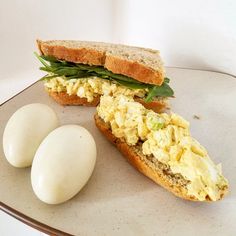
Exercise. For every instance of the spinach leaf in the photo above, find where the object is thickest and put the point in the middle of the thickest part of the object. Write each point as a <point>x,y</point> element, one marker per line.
<point>70,70</point>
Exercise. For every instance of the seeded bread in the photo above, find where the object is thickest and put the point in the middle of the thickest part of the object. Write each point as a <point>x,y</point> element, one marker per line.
<point>150,166</point>
<point>142,64</point>
<point>65,99</point>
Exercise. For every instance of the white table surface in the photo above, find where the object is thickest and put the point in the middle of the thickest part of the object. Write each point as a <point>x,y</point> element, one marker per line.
<point>10,226</point>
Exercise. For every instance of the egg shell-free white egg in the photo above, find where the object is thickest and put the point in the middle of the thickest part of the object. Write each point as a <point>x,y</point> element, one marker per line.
<point>63,164</point>
<point>24,132</point>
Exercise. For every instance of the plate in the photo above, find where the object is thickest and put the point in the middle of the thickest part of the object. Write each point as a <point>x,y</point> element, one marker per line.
<point>118,199</point>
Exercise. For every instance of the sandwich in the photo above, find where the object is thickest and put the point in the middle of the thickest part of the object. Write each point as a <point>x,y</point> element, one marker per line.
<point>80,72</point>
<point>160,146</point>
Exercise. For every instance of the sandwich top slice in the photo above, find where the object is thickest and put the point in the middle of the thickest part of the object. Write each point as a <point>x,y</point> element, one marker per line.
<point>161,147</point>
<point>79,72</point>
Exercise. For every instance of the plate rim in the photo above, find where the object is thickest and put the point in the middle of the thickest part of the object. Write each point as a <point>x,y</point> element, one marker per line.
<point>31,222</point>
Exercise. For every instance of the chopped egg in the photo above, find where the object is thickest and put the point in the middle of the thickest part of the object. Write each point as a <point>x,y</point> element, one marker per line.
<point>167,138</point>
<point>91,87</point>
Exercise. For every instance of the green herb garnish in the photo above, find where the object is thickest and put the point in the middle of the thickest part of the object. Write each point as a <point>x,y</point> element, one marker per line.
<point>71,70</point>
<point>156,122</point>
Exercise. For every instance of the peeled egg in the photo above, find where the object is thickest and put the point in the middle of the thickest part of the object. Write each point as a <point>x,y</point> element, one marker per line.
<point>24,132</point>
<point>63,164</point>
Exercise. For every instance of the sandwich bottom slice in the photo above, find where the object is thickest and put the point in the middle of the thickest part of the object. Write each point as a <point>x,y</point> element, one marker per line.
<point>160,147</point>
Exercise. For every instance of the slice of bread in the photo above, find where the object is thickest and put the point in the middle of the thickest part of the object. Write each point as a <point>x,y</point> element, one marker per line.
<point>142,64</point>
<point>65,99</point>
<point>149,166</point>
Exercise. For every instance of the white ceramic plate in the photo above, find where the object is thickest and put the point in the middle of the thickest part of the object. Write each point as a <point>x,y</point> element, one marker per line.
<point>118,200</point>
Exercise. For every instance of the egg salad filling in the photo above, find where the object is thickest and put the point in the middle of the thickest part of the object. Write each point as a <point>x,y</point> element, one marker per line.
<point>167,138</point>
<point>68,77</point>
<point>91,87</point>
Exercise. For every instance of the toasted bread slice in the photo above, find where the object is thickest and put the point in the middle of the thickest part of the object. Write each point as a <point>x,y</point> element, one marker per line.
<point>150,167</point>
<point>65,99</point>
<point>142,64</point>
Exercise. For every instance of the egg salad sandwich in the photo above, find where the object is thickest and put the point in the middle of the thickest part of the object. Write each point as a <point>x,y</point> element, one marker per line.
<point>79,72</point>
<point>160,146</point>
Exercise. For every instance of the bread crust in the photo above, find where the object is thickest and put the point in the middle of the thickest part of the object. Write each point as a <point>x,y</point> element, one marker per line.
<point>65,99</point>
<point>155,105</point>
<point>77,55</point>
<point>98,57</point>
<point>133,69</point>
<point>135,160</point>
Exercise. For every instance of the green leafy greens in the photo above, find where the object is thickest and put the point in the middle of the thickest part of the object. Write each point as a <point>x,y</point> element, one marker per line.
<point>71,70</point>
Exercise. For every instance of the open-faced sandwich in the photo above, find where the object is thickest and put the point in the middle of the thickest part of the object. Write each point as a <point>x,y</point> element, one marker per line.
<point>161,147</point>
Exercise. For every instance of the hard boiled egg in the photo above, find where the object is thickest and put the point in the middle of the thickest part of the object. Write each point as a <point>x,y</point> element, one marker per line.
<point>63,164</point>
<point>24,132</point>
